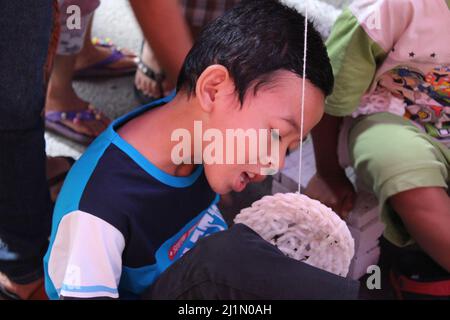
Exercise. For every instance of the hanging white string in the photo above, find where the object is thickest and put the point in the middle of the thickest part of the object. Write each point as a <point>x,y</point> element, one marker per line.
<point>302,228</point>
<point>302,111</point>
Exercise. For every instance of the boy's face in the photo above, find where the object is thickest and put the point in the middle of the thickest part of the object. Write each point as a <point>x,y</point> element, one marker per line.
<point>276,105</point>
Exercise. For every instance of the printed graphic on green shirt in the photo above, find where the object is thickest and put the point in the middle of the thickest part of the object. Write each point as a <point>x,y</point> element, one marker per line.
<point>425,96</point>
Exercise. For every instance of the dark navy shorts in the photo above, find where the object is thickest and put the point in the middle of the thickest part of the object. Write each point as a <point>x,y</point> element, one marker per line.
<point>239,264</point>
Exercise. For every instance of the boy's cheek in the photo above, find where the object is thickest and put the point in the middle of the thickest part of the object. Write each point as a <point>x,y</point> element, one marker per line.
<point>217,178</point>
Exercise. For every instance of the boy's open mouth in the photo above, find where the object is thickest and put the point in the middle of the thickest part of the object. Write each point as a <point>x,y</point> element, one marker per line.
<point>244,178</point>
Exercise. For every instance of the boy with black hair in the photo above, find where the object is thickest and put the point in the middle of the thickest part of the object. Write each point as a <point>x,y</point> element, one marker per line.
<point>128,210</point>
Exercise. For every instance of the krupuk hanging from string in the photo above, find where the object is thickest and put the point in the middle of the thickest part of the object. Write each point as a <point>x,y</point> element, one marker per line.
<point>302,228</point>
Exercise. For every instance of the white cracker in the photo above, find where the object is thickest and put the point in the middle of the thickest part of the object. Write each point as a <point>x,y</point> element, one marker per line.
<point>303,229</point>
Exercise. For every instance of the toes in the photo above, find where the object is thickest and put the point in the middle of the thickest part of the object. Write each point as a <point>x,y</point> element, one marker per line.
<point>138,80</point>
<point>142,82</point>
<point>91,128</point>
<point>79,127</point>
<point>153,89</point>
<point>149,87</point>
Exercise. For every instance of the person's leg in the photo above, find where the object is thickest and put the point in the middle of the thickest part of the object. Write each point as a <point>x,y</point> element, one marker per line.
<point>197,15</point>
<point>146,85</point>
<point>62,102</point>
<point>61,97</point>
<point>408,171</point>
<point>239,264</point>
<point>25,208</point>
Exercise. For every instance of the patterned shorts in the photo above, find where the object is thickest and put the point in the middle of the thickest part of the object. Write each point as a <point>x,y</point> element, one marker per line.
<point>200,12</point>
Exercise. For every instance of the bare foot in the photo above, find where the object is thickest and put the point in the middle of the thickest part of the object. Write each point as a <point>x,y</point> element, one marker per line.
<point>147,85</point>
<point>64,100</point>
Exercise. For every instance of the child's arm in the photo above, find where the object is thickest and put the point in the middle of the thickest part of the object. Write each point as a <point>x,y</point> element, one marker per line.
<point>330,185</point>
<point>354,56</point>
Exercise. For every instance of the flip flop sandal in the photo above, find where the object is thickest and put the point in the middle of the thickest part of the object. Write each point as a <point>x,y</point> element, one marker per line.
<point>103,67</point>
<point>53,122</point>
<point>155,76</point>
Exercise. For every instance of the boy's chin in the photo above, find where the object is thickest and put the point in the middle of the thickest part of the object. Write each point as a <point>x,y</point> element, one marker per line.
<point>221,189</point>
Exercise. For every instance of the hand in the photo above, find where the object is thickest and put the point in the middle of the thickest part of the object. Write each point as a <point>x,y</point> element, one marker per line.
<point>335,191</point>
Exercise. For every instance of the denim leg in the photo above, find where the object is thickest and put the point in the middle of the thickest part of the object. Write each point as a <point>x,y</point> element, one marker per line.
<point>25,208</point>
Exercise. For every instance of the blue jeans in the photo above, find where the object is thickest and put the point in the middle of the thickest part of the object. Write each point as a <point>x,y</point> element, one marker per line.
<point>25,206</point>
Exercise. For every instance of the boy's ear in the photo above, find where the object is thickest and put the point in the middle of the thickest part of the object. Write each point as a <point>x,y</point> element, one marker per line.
<point>210,84</point>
